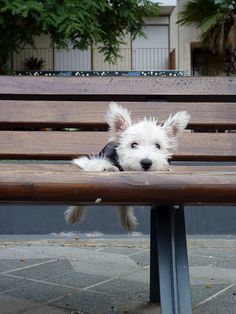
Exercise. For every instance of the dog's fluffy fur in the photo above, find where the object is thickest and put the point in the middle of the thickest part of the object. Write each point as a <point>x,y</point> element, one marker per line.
<point>142,146</point>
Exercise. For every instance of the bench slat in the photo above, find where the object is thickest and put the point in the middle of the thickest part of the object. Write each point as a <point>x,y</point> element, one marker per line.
<point>119,88</point>
<point>68,145</point>
<point>90,115</point>
<point>65,184</point>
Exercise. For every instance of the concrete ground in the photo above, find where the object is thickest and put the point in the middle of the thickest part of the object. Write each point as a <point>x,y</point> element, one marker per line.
<point>106,275</point>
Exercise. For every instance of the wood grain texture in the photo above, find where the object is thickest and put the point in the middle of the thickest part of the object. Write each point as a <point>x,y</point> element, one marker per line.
<point>68,145</point>
<point>119,88</point>
<point>66,184</point>
<point>50,145</point>
<point>63,102</point>
<point>90,115</point>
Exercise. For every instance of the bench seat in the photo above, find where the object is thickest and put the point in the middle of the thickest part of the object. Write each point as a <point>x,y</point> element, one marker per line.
<point>68,145</point>
<point>45,122</point>
<point>63,183</point>
<point>119,88</point>
<point>89,115</point>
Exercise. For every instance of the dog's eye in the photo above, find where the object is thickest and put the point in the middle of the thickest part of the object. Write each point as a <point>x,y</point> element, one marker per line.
<point>134,145</point>
<point>158,146</point>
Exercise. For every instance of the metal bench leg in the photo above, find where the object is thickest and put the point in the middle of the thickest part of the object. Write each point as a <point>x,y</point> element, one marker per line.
<point>154,268</point>
<point>171,253</point>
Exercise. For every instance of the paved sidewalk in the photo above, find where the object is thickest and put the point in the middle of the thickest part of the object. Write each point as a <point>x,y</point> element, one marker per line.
<point>107,275</point>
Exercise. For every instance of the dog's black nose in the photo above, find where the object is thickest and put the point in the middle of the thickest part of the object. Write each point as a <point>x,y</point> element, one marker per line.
<point>146,164</point>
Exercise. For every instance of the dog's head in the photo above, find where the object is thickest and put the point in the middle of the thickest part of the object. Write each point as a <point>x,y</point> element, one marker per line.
<point>144,145</point>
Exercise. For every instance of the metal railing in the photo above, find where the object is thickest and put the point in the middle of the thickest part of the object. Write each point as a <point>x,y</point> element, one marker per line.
<point>137,59</point>
<point>47,54</point>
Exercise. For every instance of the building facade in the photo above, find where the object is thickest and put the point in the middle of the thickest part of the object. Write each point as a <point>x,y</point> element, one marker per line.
<point>167,46</point>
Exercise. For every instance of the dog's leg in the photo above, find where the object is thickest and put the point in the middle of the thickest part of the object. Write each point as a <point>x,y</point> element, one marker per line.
<point>74,214</point>
<point>127,218</point>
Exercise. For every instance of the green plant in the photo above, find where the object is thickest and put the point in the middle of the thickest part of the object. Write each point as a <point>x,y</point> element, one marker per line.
<point>33,63</point>
<point>82,23</point>
<point>216,21</point>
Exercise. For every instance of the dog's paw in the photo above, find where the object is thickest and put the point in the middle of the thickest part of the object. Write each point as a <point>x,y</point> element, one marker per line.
<point>82,162</point>
<point>110,168</point>
<point>94,164</point>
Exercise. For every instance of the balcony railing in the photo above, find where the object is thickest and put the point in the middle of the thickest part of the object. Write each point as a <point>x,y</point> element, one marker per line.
<point>136,59</point>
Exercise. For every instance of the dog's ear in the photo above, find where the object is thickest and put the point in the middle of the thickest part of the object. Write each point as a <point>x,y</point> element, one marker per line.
<point>118,119</point>
<point>175,125</point>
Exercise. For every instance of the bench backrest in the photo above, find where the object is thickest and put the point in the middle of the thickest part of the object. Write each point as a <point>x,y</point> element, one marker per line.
<point>59,118</point>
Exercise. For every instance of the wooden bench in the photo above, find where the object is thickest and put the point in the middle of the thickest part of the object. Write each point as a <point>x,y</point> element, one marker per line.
<point>35,114</point>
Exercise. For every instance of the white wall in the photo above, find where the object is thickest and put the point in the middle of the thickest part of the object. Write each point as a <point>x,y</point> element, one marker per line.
<point>181,38</point>
<point>142,54</point>
<point>152,52</point>
<point>152,57</point>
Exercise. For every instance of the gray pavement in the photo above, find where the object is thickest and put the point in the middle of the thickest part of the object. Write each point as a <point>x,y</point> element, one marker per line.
<point>106,275</point>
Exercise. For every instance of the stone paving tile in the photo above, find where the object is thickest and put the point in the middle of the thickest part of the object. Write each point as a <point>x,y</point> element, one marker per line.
<point>199,291</point>
<point>121,250</point>
<point>141,259</point>
<point>10,264</point>
<point>140,256</point>
<point>124,289</point>
<point>229,264</point>
<point>77,279</point>
<point>224,303</point>
<point>45,270</point>
<point>142,275</point>
<point>45,250</point>
<point>38,292</point>
<point>211,271</point>
<point>214,275</point>
<point>100,263</point>
<point>202,292</point>
<point>194,260</point>
<point>90,302</point>
<point>45,309</point>
<point>224,253</point>
<point>12,305</point>
<point>141,308</point>
<point>8,283</point>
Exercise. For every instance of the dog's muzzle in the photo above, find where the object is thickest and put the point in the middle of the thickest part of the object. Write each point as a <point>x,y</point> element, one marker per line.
<point>146,164</point>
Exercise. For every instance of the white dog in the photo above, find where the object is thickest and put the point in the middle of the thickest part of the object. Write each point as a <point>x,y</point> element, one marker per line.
<point>141,146</point>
